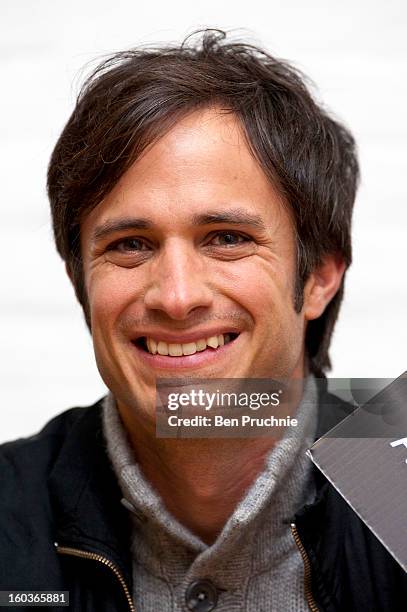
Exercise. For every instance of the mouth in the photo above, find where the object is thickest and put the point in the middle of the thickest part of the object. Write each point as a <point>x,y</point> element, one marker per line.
<point>155,346</point>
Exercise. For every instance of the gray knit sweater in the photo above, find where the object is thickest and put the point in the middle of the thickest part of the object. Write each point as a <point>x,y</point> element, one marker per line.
<point>254,565</point>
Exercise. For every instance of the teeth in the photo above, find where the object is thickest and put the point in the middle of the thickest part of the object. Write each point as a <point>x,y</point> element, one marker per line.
<point>189,348</point>
<point>152,346</point>
<point>175,350</point>
<point>201,345</point>
<point>162,348</point>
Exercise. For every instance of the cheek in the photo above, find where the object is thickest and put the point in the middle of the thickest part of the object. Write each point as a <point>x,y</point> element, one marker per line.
<point>264,286</point>
<point>110,292</point>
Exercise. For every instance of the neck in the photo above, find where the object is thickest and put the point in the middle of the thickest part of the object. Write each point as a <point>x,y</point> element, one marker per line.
<point>201,481</point>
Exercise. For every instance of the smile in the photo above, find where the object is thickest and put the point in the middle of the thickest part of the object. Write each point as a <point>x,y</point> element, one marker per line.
<point>175,349</point>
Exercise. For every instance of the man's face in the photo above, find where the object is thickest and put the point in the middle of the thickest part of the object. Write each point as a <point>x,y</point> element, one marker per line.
<point>193,247</point>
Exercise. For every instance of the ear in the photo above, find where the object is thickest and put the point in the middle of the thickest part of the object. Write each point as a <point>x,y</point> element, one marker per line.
<point>321,286</point>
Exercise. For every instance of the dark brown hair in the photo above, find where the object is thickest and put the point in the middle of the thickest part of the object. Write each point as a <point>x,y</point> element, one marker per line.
<point>134,97</point>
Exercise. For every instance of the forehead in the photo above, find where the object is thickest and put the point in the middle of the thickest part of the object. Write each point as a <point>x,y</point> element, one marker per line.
<point>202,164</point>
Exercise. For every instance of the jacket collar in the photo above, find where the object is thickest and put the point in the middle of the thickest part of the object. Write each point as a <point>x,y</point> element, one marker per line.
<point>86,496</point>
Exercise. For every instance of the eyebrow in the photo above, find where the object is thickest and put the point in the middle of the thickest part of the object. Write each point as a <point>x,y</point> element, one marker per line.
<point>120,225</point>
<point>235,216</point>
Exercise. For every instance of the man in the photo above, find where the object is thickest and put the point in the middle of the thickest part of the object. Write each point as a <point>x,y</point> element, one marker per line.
<point>202,203</point>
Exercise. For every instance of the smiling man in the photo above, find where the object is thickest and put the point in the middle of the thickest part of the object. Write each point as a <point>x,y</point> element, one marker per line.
<point>202,202</point>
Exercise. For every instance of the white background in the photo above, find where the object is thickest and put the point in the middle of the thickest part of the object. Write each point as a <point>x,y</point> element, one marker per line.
<point>356,53</point>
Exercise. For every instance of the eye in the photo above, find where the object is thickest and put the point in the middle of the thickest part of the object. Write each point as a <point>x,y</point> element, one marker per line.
<point>128,252</point>
<point>129,245</point>
<point>229,239</point>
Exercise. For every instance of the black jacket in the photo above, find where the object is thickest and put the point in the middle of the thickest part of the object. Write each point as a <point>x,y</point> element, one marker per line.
<point>63,528</point>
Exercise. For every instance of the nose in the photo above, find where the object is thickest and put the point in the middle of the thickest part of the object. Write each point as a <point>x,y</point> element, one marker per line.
<point>178,284</point>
